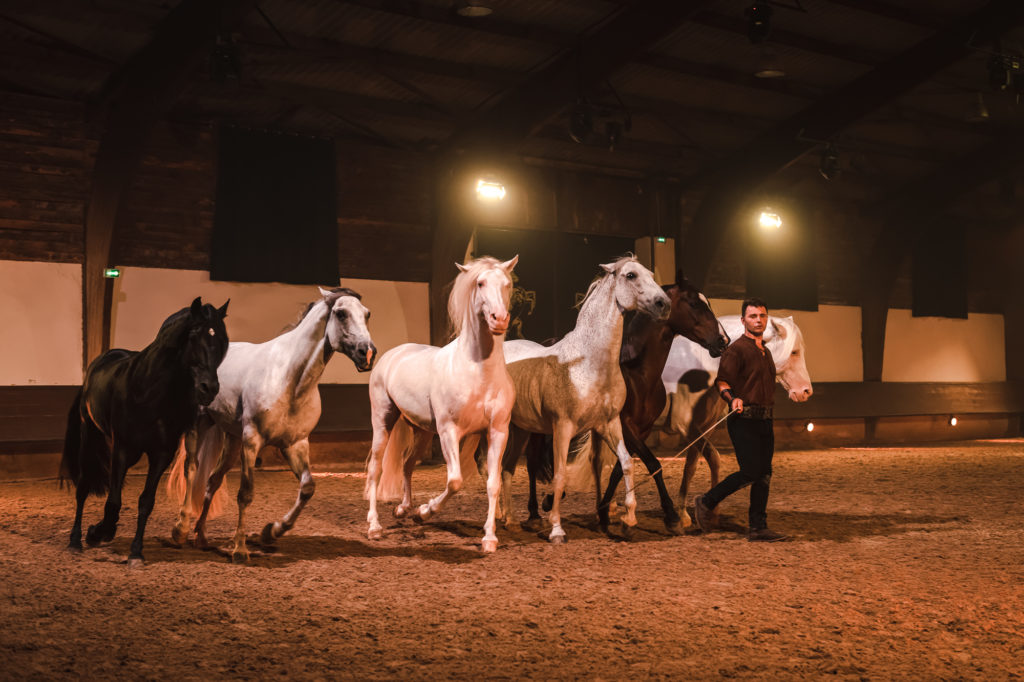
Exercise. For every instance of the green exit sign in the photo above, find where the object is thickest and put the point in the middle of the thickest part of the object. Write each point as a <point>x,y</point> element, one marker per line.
<point>661,240</point>
<point>111,273</point>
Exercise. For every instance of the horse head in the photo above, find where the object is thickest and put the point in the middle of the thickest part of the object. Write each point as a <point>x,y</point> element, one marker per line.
<point>691,316</point>
<point>635,288</point>
<point>786,343</point>
<point>482,290</point>
<point>346,330</point>
<point>205,347</point>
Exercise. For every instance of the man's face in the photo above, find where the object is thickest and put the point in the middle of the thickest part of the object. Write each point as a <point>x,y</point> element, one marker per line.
<point>755,320</point>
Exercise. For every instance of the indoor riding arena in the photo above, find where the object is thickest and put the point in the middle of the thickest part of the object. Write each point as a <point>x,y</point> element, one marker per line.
<point>575,339</point>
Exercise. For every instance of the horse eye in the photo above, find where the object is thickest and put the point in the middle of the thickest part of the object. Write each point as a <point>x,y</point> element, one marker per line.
<point>480,284</point>
<point>342,314</point>
<point>367,314</point>
<point>630,275</point>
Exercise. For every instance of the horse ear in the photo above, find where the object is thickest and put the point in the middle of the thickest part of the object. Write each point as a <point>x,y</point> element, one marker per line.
<point>197,307</point>
<point>461,267</point>
<point>223,310</point>
<point>509,264</point>
<point>608,267</point>
<point>324,292</point>
<point>779,329</point>
<point>680,277</point>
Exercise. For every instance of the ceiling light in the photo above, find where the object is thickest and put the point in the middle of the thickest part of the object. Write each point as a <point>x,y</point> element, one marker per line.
<point>952,420</point>
<point>770,220</point>
<point>472,9</point>
<point>759,25</point>
<point>489,189</point>
<point>809,426</point>
<point>768,64</point>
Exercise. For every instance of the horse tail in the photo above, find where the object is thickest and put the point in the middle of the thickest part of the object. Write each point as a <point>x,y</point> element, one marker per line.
<point>209,455</point>
<point>542,454</point>
<point>389,486</point>
<point>176,482</point>
<point>85,460</point>
<point>579,474</point>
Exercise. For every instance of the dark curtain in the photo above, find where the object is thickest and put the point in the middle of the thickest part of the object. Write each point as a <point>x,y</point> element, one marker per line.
<point>939,270</point>
<point>276,211</point>
<point>554,271</point>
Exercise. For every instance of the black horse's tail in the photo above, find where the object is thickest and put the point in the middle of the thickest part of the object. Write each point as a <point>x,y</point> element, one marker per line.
<point>85,461</point>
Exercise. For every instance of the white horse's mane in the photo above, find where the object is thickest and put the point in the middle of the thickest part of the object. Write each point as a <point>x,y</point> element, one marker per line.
<point>616,264</point>
<point>460,300</point>
<point>335,294</point>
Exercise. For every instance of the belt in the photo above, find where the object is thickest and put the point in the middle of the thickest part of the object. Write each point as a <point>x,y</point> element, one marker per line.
<point>755,412</point>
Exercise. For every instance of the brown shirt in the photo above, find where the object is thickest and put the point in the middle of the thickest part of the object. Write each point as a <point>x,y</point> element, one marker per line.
<point>749,371</point>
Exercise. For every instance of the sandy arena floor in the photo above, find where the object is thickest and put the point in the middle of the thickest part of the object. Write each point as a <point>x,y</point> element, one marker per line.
<point>907,563</point>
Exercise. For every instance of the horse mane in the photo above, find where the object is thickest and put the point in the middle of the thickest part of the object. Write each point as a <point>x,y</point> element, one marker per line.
<point>334,295</point>
<point>600,278</point>
<point>461,296</point>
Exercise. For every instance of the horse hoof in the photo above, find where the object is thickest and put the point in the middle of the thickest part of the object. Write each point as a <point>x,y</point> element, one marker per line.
<point>513,526</point>
<point>547,503</point>
<point>533,523</point>
<point>626,530</point>
<point>179,537</point>
<point>75,548</point>
<point>375,534</point>
<point>267,537</point>
<point>238,557</point>
<point>558,539</point>
<point>401,511</point>
<point>674,526</point>
<point>91,537</point>
<point>687,521</point>
<point>422,514</point>
<point>135,562</point>
<point>489,546</point>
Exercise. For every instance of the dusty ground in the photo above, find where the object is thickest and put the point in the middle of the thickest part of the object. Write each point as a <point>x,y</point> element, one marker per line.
<point>907,563</point>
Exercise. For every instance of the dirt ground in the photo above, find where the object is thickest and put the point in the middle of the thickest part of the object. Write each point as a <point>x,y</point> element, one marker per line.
<point>907,563</point>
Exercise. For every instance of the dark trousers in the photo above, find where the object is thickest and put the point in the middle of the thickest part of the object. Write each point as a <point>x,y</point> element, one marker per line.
<point>754,441</point>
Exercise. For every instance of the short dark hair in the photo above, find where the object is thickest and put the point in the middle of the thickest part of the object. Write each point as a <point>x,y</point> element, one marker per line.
<point>752,301</point>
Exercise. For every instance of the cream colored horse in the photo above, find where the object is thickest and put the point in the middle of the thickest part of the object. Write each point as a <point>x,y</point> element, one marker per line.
<point>459,392</point>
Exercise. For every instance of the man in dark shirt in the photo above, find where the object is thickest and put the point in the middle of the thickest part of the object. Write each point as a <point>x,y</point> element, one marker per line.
<point>746,381</point>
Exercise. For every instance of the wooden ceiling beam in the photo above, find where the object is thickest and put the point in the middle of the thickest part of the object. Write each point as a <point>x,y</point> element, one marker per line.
<point>730,182</point>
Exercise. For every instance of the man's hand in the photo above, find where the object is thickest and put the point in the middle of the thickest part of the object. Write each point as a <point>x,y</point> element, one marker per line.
<point>737,404</point>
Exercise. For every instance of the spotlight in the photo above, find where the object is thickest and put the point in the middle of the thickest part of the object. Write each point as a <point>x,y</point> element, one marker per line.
<point>829,167</point>
<point>768,64</point>
<point>489,189</point>
<point>809,426</point>
<point>758,22</point>
<point>770,220</point>
<point>952,420</point>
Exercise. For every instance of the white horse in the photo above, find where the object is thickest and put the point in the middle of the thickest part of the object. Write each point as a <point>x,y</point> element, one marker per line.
<point>693,408</point>
<point>576,385</point>
<point>268,396</point>
<point>461,391</point>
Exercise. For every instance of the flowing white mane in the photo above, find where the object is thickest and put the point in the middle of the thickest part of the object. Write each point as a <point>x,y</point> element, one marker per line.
<point>460,300</point>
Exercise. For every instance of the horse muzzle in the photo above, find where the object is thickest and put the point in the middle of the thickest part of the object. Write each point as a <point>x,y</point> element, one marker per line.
<point>364,357</point>
<point>206,391</point>
<point>498,323</point>
<point>659,307</point>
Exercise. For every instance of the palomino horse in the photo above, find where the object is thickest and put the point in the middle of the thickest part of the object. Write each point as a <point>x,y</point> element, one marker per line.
<point>576,385</point>
<point>139,401</point>
<point>693,408</point>
<point>645,347</point>
<point>460,392</point>
<point>268,396</point>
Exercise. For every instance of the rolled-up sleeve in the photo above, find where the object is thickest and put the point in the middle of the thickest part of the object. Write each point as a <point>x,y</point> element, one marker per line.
<point>729,368</point>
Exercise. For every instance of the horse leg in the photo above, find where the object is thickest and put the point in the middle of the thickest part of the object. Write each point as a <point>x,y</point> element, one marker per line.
<point>497,436</point>
<point>228,457</point>
<point>450,447</point>
<point>179,534</point>
<point>609,494</point>
<point>158,463</point>
<point>516,446</point>
<point>251,444</point>
<point>297,455</point>
<point>383,422</point>
<point>612,436</point>
<point>636,445</point>
<point>105,530</point>
<point>689,469</point>
<point>81,493</point>
<point>420,446</point>
<point>562,434</point>
<point>534,452</point>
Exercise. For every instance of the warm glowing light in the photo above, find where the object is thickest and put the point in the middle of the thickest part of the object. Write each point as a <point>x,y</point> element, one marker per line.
<point>810,427</point>
<point>490,190</point>
<point>952,421</point>
<point>770,220</point>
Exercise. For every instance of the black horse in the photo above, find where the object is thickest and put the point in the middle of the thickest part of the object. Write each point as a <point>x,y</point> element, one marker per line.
<point>140,401</point>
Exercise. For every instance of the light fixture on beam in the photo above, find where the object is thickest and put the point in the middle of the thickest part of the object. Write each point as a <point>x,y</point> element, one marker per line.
<point>768,64</point>
<point>769,219</point>
<point>953,420</point>
<point>489,189</point>
<point>809,426</point>
<point>472,9</point>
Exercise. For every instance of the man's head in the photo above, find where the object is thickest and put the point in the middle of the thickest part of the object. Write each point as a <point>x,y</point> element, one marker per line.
<point>754,316</point>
